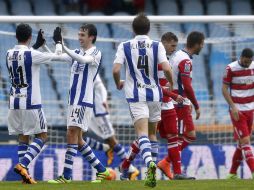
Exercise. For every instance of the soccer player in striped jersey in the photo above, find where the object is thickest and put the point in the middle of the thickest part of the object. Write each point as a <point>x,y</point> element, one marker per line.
<point>25,115</point>
<point>141,57</point>
<point>101,126</point>
<point>167,127</point>
<point>238,91</point>
<point>85,63</point>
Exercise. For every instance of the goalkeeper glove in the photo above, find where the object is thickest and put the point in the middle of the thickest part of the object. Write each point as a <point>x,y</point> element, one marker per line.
<point>40,40</point>
<point>57,36</point>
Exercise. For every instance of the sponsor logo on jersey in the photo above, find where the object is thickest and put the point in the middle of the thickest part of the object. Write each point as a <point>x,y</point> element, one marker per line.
<point>142,85</point>
<point>187,67</point>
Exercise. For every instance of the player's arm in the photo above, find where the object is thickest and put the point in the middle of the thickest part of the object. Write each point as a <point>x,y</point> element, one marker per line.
<point>185,69</point>
<point>163,61</point>
<point>167,92</point>
<point>119,60</point>
<point>86,59</point>
<point>58,39</point>
<point>225,87</point>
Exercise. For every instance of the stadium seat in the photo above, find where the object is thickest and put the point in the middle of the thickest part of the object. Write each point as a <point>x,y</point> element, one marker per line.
<point>242,7</point>
<point>45,7</point>
<point>21,7</point>
<point>3,8</point>
<point>149,8</point>
<point>167,7</point>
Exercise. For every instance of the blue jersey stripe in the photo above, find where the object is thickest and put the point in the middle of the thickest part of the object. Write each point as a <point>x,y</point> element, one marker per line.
<point>83,85</point>
<point>16,77</point>
<point>127,52</point>
<point>142,52</point>
<point>73,88</point>
<point>155,70</point>
<point>28,69</point>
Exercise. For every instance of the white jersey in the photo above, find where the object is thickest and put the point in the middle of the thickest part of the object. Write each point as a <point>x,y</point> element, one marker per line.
<point>82,77</point>
<point>24,69</point>
<point>167,103</point>
<point>100,97</point>
<point>141,56</point>
<point>181,63</point>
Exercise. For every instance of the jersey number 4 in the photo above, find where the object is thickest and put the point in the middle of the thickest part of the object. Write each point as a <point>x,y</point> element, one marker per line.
<point>21,82</point>
<point>143,64</point>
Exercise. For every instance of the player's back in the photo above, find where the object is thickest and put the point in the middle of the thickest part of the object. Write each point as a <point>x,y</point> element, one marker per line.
<point>24,75</point>
<point>142,56</point>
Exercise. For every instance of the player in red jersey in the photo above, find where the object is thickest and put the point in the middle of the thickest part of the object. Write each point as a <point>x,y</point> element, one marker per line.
<point>238,91</point>
<point>181,64</point>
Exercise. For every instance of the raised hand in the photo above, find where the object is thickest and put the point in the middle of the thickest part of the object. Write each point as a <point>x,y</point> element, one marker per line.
<point>40,40</point>
<point>57,36</point>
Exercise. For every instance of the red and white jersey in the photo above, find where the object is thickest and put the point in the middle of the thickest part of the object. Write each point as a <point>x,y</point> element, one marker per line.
<point>23,65</point>
<point>181,63</point>
<point>141,56</point>
<point>241,84</point>
<point>167,102</point>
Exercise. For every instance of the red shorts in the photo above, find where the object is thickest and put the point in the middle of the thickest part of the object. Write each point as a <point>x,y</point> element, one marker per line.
<point>243,127</point>
<point>185,122</point>
<point>168,123</point>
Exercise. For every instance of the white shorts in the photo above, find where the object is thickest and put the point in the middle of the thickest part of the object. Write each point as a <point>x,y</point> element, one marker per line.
<point>79,116</point>
<point>102,126</point>
<point>141,110</point>
<point>26,122</point>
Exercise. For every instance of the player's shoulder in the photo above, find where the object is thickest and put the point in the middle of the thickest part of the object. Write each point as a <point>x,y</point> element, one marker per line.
<point>181,56</point>
<point>94,51</point>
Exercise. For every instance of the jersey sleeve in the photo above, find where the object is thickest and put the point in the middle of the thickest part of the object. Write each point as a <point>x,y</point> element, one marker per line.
<point>161,54</point>
<point>97,59</point>
<point>185,68</point>
<point>227,77</point>
<point>120,57</point>
<point>42,58</point>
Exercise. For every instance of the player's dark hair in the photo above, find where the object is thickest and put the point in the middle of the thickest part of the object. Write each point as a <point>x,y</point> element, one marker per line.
<point>92,31</point>
<point>141,24</point>
<point>168,36</point>
<point>247,52</point>
<point>23,32</point>
<point>194,38</point>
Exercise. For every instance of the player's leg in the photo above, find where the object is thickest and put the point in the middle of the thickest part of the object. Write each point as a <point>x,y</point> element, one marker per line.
<point>126,165</point>
<point>242,132</point>
<point>34,123</point>
<point>236,161</point>
<point>185,126</point>
<point>74,127</point>
<point>88,154</point>
<point>152,129</point>
<point>96,145</point>
<point>168,130</point>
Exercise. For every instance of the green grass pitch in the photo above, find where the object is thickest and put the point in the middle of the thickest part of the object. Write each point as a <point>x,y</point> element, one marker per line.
<point>136,185</point>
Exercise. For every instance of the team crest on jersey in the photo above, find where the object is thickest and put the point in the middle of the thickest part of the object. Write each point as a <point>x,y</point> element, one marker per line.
<point>187,67</point>
<point>76,67</point>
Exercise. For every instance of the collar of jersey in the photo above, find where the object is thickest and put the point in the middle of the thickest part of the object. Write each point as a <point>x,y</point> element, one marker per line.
<point>139,37</point>
<point>187,53</point>
<point>21,47</point>
<point>88,50</point>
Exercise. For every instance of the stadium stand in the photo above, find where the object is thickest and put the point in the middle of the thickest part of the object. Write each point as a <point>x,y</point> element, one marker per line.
<point>211,59</point>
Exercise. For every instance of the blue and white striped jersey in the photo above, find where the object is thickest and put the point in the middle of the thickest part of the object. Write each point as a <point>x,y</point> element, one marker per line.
<point>100,97</point>
<point>24,70</point>
<point>141,56</point>
<point>82,77</point>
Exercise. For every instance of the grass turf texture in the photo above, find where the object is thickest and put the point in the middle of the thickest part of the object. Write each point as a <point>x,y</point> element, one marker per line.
<point>136,185</point>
